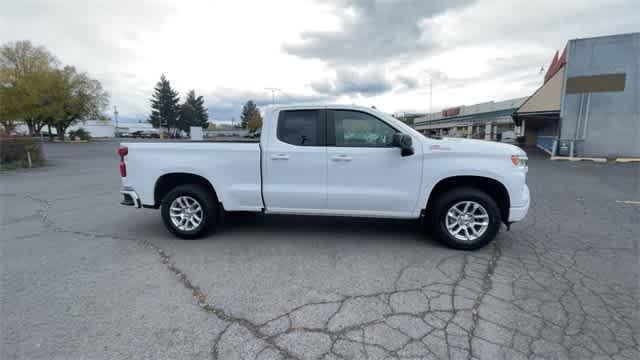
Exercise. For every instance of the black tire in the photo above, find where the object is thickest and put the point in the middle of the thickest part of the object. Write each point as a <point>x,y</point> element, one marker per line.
<point>206,199</point>
<point>444,202</point>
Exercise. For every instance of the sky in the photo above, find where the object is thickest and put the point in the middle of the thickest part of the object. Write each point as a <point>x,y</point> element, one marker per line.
<point>397,55</point>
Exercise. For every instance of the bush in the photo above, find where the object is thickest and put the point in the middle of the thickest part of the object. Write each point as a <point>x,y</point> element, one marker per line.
<point>13,152</point>
<point>80,134</point>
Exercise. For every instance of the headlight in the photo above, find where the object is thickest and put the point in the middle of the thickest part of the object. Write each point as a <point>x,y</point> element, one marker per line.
<point>519,160</point>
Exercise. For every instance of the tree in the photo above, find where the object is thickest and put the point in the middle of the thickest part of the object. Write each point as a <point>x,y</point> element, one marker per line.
<point>36,91</point>
<point>40,99</point>
<point>248,112</point>
<point>26,75</point>
<point>77,97</point>
<point>164,106</point>
<point>255,122</point>
<point>21,57</point>
<point>193,112</point>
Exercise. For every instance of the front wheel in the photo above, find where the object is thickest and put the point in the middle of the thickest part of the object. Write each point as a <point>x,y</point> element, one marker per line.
<point>189,211</point>
<point>465,218</point>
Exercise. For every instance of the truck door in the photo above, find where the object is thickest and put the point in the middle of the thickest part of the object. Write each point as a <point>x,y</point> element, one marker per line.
<point>295,163</point>
<point>366,174</point>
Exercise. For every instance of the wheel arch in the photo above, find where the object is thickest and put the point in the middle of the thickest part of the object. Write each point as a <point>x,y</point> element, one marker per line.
<point>494,188</point>
<point>168,181</point>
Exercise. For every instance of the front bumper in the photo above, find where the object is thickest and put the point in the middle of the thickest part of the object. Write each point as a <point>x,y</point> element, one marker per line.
<point>517,213</point>
<point>131,198</point>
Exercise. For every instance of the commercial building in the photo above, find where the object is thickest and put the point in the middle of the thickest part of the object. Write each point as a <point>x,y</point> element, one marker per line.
<point>408,117</point>
<point>97,128</point>
<point>489,121</point>
<point>589,104</point>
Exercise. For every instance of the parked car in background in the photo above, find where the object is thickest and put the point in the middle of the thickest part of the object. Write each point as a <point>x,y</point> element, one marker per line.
<point>508,137</point>
<point>333,160</point>
<point>140,134</point>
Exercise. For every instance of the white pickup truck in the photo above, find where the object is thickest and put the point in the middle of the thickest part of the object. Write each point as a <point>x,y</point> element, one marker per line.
<point>337,160</point>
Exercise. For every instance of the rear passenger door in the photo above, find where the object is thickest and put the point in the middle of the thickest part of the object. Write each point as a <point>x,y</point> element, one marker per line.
<point>295,174</point>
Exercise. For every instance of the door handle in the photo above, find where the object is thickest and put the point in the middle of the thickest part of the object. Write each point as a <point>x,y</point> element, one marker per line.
<point>341,158</point>
<point>280,157</point>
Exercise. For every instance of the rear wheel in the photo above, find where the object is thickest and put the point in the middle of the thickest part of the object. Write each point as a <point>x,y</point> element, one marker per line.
<point>189,211</point>
<point>465,218</point>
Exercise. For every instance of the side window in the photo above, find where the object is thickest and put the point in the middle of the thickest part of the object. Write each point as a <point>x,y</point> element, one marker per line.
<point>299,127</point>
<point>358,129</point>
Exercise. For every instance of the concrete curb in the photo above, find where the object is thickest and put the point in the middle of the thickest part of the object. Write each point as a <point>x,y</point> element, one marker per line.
<point>568,158</point>
<point>627,160</point>
<point>70,141</point>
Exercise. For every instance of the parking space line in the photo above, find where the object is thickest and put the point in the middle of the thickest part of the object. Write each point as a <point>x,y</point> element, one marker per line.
<point>628,202</point>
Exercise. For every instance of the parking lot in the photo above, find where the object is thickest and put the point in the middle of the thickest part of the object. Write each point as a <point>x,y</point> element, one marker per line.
<point>83,277</point>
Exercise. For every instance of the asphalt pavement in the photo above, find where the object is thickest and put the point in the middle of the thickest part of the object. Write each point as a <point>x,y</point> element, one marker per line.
<point>85,278</point>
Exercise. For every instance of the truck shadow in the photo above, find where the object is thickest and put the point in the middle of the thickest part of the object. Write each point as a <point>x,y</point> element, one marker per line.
<point>322,226</point>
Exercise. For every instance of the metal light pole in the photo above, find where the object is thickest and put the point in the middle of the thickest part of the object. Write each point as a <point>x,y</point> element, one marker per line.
<point>115,115</point>
<point>430,94</point>
<point>426,72</point>
<point>273,93</point>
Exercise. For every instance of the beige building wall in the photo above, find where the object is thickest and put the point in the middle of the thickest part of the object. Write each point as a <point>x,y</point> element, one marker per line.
<point>547,98</point>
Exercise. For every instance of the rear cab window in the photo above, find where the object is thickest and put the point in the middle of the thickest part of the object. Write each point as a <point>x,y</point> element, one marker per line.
<point>301,127</point>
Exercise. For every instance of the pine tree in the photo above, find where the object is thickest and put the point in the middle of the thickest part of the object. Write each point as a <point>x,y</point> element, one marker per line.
<point>193,112</point>
<point>164,106</point>
<point>248,112</point>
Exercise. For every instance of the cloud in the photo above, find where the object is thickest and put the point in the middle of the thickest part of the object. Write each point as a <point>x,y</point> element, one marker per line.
<point>499,69</point>
<point>373,31</point>
<point>407,82</point>
<point>375,52</point>
<point>105,39</point>
<point>225,104</point>
<point>501,24</point>
<point>84,31</point>
<point>349,82</point>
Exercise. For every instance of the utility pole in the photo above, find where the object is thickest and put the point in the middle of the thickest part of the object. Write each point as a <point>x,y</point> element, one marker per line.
<point>273,93</point>
<point>115,115</point>
<point>430,94</point>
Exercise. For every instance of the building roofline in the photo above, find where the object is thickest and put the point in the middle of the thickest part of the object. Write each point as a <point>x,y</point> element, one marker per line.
<point>535,92</point>
<point>523,98</point>
<point>502,112</point>
<point>606,36</point>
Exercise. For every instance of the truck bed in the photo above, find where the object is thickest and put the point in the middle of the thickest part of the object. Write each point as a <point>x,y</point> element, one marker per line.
<point>232,167</point>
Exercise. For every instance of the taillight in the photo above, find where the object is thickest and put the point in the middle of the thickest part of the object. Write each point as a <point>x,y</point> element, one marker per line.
<point>123,151</point>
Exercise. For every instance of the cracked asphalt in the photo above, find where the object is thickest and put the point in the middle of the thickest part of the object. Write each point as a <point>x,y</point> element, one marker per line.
<point>85,278</point>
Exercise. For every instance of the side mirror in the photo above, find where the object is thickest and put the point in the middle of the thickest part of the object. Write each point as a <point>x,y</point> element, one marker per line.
<point>404,142</point>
